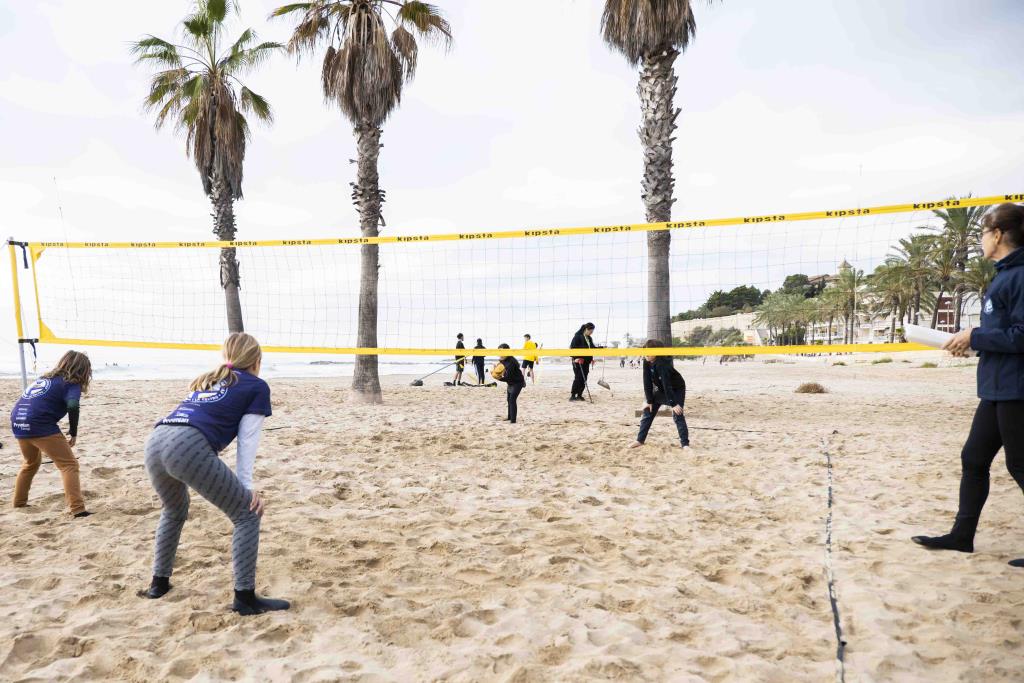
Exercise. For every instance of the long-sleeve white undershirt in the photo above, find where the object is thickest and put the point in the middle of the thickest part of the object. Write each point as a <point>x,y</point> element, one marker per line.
<point>248,441</point>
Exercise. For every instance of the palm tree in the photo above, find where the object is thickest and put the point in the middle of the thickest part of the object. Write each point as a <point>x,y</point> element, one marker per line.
<point>198,88</point>
<point>849,285</point>
<point>363,72</point>
<point>915,253</point>
<point>943,268</point>
<point>652,35</point>
<point>977,277</point>
<point>961,228</point>
<point>893,286</point>
<point>832,304</point>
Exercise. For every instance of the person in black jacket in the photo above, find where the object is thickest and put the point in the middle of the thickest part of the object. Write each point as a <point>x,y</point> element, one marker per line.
<point>513,376</point>
<point>999,341</point>
<point>663,385</point>
<point>581,364</point>
<point>478,362</point>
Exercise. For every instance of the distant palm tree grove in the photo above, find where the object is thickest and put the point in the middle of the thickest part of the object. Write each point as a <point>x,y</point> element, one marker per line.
<point>928,279</point>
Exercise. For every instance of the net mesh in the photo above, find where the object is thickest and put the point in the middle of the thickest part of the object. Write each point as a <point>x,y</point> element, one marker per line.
<point>306,296</point>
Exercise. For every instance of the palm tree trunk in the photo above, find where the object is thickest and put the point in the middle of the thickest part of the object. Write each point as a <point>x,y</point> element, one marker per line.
<point>366,196</point>
<point>224,229</point>
<point>657,89</point>
<point>958,305</point>
<point>935,313</point>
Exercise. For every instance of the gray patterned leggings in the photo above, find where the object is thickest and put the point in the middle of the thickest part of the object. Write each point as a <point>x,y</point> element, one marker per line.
<point>178,457</point>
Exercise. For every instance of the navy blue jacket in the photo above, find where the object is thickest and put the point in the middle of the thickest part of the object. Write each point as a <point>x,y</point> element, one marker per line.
<point>999,340</point>
<point>662,382</point>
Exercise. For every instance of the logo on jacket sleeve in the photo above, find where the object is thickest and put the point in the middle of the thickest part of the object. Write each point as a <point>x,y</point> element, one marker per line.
<point>988,306</point>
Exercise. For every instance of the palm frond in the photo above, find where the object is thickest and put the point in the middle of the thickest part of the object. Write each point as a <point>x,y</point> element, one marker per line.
<point>248,35</point>
<point>155,49</point>
<point>293,7</point>
<point>245,60</point>
<point>406,49</point>
<point>216,10</point>
<point>258,105</point>
<point>427,20</point>
<point>640,28</point>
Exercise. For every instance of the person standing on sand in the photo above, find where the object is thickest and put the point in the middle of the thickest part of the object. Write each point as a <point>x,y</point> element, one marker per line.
<point>34,423</point>
<point>663,385</point>
<point>507,370</point>
<point>528,360</point>
<point>183,452</point>
<point>460,361</point>
<point>581,364</point>
<point>999,341</point>
<point>478,362</point>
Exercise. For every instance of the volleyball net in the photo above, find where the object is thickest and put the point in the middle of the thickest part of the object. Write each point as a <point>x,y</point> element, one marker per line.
<point>302,296</point>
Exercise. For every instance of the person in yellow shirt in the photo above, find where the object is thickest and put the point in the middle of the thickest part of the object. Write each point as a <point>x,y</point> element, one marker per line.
<point>529,360</point>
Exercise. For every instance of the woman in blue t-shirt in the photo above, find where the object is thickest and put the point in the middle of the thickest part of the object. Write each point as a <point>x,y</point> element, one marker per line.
<point>182,452</point>
<point>34,423</point>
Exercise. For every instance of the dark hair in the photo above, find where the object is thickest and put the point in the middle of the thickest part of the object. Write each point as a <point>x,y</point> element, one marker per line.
<point>586,326</point>
<point>458,336</point>
<point>1008,219</point>
<point>480,342</point>
<point>503,346</point>
<point>653,344</point>
<point>527,336</point>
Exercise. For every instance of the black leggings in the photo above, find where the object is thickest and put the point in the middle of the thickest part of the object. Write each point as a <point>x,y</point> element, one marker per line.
<point>997,424</point>
<point>579,377</point>
<point>479,364</point>
<point>513,394</point>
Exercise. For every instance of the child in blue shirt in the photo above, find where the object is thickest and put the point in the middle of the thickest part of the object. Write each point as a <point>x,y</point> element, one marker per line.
<point>34,423</point>
<point>183,452</point>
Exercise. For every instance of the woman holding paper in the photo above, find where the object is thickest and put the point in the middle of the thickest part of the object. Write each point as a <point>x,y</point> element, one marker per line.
<point>999,341</point>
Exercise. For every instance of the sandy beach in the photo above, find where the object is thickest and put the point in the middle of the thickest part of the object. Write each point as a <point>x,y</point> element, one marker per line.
<point>425,540</point>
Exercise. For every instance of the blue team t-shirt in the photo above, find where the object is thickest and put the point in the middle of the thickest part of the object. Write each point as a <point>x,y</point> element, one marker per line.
<point>42,406</point>
<point>217,412</point>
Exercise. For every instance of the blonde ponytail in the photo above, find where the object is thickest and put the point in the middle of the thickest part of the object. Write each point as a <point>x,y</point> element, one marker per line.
<point>241,352</point>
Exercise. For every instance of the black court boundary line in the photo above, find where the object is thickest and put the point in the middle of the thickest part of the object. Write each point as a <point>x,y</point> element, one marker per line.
<point>830,574</point>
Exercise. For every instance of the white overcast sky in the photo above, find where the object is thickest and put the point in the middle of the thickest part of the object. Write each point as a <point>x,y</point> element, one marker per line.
<point>528,121</point>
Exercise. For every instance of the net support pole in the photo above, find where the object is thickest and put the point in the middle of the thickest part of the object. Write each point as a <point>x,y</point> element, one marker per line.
<point>12,247</point>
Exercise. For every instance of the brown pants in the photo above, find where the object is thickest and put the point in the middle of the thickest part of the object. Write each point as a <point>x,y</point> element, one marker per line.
<point>57,448</point>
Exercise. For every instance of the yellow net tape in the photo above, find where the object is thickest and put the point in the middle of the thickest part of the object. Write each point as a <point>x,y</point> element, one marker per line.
<point>551,232</point>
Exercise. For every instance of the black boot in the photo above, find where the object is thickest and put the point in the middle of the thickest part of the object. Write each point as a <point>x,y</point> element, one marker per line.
<point>159,587</point>
<point>960,538</point>
<point>1017,563</point>
<point>247,603</point>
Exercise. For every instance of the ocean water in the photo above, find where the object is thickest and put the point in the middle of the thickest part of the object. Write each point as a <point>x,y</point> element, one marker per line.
<point>135,364</point>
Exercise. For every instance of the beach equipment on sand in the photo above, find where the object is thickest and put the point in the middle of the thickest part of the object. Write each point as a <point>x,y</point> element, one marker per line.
<point>419,382</point>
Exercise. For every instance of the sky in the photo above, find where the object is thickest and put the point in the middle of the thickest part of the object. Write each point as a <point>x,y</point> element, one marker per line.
<point>529,120</point>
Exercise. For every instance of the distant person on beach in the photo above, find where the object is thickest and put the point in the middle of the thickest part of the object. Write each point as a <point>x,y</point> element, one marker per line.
<point>183,452</point>
<point>528,360</point>
<point>460,361</point>
<point>478,362</point>
<point>507,370</point>
<point>622,361</point>
<point>581,364</point>
<point>663,385</point>
<point>999,419</point>
<point>34,422</point>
